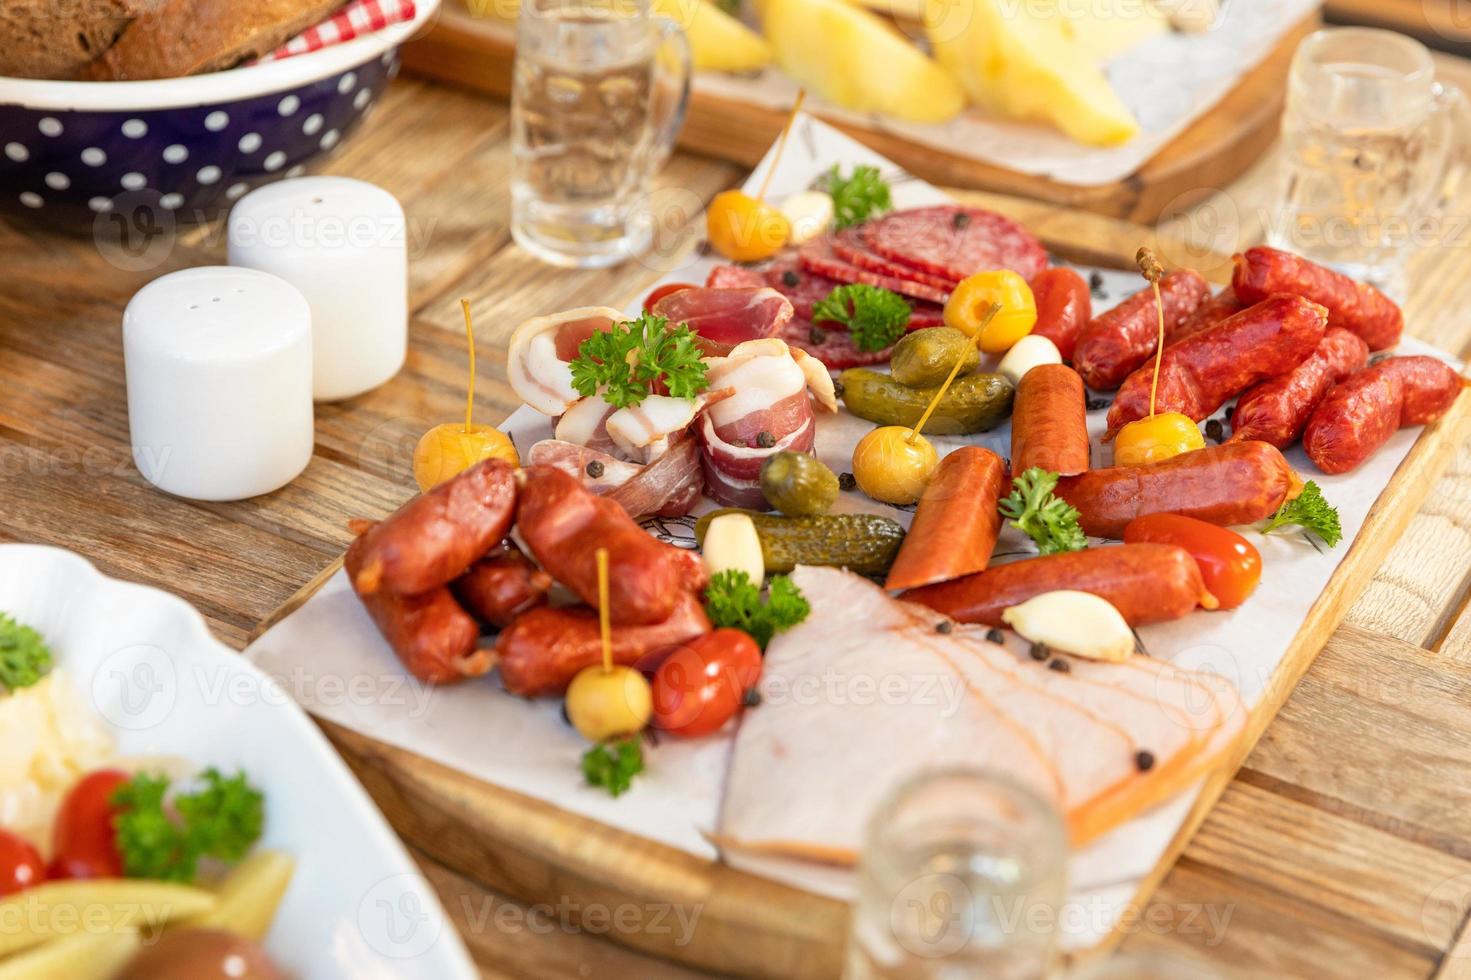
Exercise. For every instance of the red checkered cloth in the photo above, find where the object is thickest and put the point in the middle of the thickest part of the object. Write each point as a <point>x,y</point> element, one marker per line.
<point>355,20</point>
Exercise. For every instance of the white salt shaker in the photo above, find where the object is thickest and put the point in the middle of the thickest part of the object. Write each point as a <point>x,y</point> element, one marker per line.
<point>342,243</point>
<point>219,373</point>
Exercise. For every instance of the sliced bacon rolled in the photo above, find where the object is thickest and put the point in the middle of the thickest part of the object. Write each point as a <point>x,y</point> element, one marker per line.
<point>538,359</point>
<point>668,487</point>
<point>723,318</point>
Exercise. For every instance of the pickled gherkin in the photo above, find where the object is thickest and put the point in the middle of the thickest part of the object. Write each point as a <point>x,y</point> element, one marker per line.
<point>798,484</point>
<point>862,543</point>
<point>926,357</point>
<point>974,403</point>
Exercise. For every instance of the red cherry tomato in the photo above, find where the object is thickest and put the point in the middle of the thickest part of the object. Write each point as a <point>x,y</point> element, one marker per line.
<point>20,864</point>
<point>1230,565</point>
<point>1064,306</point>
<point>704,683</point>
<point>661,291</point>
<point>85,842</point>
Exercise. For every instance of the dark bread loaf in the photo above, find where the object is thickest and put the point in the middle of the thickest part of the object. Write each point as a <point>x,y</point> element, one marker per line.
<point>58,38</point>
<point>173,38</point>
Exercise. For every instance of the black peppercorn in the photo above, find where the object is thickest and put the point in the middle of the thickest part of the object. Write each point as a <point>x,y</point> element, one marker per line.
<point>944,626</point>
<point>594,469</point>
<point>1230,410</point>
<point>1095,283</point>
<point>1144,760</point>
<point>995,635</point>
<point>765,440</point>
<point>1059,665</point>
<point>961,219</point>
<point>1214,431</point>
<point>817,335</point>
<point>752,698</point>
<point>790,278</point>
<point>838,388</point>
<point>1039,651</point>
<point>846,482</point>
<point>1096,404</point>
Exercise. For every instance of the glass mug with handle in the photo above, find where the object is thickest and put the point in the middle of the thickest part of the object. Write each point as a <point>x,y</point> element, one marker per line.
<point>1372,145</point>
<point>587,127</point>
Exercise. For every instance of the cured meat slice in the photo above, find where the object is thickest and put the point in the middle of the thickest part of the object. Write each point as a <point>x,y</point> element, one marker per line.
<point>805,289</point>
<point>722,318</point>
<point>669,486</point>
<point>851,245</point>
<point>734,277</point>
<point>834,348</point>
<point>953,242</point>
<point>818,257</point>
<point>539,356</point>
<point>1101,741</point>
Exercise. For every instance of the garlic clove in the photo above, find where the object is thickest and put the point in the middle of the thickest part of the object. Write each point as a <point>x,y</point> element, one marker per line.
<point>1027,353</point>
<point>810,213</point>
<point>1079,623</point>
<point>731,542</point>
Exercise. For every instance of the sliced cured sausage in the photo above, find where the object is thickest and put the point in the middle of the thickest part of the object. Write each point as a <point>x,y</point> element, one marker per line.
<point>851,245</point>
<point>953,242</point>
<point>818,257</point>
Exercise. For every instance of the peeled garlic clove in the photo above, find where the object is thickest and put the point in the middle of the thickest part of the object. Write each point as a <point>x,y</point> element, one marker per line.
<point>1027,353</point>
<point>810,214</point>
<point>731,543</point>
<point>1079,623</point>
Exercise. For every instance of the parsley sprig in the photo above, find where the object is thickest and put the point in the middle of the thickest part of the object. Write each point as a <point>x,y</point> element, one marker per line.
<point>732,599</point>
<point>624,363</point>
<point>1043,516</point>
<point>1310,511</point>
<point>857,197</point>
<point>221,820</point>
<point>613,765</point>
<point>24,656</point>
<point>875,317</point>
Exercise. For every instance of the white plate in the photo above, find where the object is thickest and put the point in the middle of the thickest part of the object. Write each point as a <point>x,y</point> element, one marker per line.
<point>146,662</point>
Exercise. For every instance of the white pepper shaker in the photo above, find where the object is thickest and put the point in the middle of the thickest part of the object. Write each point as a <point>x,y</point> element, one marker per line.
<point>342,243</point>
<point>219,375</point>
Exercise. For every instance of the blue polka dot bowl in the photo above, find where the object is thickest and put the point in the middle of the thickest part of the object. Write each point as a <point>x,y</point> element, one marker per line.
<point>73,154</point>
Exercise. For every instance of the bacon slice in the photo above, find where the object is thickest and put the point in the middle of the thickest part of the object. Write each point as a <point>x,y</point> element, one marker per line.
<point>538,358</point>
<point>669,486</point>
<point>723,318</point>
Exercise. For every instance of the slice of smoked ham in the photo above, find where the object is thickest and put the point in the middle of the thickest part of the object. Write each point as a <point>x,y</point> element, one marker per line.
<point>1076,737</point>
<point>541,349</point>
<point>669,486</point>
<point>723,318</point>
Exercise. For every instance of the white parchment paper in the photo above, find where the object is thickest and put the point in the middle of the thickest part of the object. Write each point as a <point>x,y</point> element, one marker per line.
<point>329,654</point>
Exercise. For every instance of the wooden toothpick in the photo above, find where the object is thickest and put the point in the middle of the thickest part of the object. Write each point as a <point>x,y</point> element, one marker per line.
<point>974,340</point>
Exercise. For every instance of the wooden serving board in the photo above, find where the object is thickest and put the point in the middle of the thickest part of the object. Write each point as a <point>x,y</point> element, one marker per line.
<point>1216,149</point>
<point>1442,24</point>
<point>742,924</point>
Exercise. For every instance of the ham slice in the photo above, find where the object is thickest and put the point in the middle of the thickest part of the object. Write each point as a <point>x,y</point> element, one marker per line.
<point>723,318</point>
<point>1102,742</point>
<point>668,487</point>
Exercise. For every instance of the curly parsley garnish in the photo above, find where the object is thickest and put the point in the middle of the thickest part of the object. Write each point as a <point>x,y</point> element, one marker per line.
<point>732,599</point>
<point>1044,517</point>
<point>875,317</point>
<point>24,656</point>
<point>1311,512</point>
<point>624,363</point>
<point>222,820</point>
<point>857,197</point>
<point>613,765</point>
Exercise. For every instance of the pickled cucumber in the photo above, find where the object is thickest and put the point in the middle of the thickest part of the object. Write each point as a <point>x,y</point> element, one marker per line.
<point>974,403</point>
<point>862,543</point>
<point>926,357</point>
<point>797,484</point>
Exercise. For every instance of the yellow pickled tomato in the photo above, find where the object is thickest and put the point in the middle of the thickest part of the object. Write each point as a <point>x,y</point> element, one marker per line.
<point>1156,438</point>
<point>890,466</point>
<point>604,703</point>
<point>452,448</point>
<point>971,299</point>
<point>744,229</point>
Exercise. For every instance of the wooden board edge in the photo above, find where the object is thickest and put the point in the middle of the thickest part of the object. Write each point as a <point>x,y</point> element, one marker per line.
<point>298,599</point>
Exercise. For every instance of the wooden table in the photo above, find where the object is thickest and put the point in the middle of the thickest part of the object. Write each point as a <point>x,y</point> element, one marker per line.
<point>1342,849</point>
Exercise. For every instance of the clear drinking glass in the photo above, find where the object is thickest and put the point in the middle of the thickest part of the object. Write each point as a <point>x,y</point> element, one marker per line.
<point>962,875</point>
<point>595,109</point>
<point>1372,145</point>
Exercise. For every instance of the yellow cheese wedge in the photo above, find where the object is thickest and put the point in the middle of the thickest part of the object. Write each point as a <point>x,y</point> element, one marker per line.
<point>718,41</point>
<point>898,9</point>
<point>855,59</point>
<point>1016,59</point>
<point>1104,29</point>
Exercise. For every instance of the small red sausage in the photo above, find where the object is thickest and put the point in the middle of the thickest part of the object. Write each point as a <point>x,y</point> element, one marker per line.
<point>956,523</point>
<point>1064,307</point>
<point>1146,583</point>
<point>1049,421</point>
<point>1359,415</point>
<point>501,586</point>
<point>564,524</point>
<point>1117,341</point>
<point>1199,374</point>
<point>430,632</point>
<point>437,535</point>
<point>1354,306</point>
<point>1276,410</point>
<point>1234,484</point>
<point>1223,304</point>
<point>545,648</point>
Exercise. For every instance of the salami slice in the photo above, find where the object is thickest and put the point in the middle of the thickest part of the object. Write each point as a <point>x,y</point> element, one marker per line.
<point>805,289</point>
<point>818,257</point>
<point>834,348</point>
<point>851,246</point>
<point>735,277</point>
<point>953,242</point>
